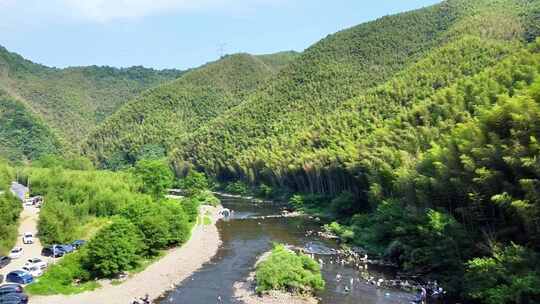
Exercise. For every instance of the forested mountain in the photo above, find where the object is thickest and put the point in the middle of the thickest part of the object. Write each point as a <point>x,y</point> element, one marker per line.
<point>340,67</point>
<point>23,135</point>
<point>417,132</point>
<point>149,125</point>
<point>72,101</point>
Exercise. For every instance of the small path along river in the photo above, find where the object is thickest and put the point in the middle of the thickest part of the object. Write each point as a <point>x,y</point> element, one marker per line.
<point>246,236</point>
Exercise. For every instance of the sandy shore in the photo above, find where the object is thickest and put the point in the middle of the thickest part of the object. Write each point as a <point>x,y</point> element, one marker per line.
<point>172,269</point>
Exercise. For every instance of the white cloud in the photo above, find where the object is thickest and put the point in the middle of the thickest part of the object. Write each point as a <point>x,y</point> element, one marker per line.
<point>107,10</point>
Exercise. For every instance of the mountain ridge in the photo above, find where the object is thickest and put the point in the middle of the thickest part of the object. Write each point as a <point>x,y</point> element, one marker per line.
<point>162,115</point>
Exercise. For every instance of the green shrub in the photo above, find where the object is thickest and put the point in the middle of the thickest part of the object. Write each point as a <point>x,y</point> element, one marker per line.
<point>237,187</point>
<point>297,201</point>
<point>346,234</point>
<point>317,203</point>
<point>161,224</point>
<point>264,191</point>
<point>287,271</point>
<point>178,220</point>
<point>114,249</point>
<point>60,278</point>
<point>155,231</point>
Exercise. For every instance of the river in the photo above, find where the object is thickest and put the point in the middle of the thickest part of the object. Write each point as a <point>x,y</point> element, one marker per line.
<point>245,238</point>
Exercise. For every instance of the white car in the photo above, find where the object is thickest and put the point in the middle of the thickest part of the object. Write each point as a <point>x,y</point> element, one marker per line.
<point>15,253</point>
<point>35,271</point>
<point>28,238</point>
<point>36,262</point>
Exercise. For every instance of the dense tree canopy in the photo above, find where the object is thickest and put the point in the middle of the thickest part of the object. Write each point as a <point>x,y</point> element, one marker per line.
<point>23,135</point>
<point>72,101</point>
<point>162,116</point>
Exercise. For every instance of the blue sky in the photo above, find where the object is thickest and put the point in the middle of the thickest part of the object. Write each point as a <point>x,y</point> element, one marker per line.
<point>175,33</point>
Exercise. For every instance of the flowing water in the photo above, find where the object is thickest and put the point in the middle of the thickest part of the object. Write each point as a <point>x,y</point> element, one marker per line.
<point>245,238</point>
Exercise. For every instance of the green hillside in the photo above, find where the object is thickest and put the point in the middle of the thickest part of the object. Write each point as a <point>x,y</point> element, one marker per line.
<point>320,157</point>
<point>23,135</point>
<point>415,136</point>
<point>72,101</point>
<point>338,68</point>
<point>152,123</point>
<point>417,133</point>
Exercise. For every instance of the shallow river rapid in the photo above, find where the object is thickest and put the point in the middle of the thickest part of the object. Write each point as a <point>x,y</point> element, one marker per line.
<point>245,239</point>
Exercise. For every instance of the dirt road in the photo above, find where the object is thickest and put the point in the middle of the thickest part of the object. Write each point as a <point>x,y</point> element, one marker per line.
<point>28,223</point>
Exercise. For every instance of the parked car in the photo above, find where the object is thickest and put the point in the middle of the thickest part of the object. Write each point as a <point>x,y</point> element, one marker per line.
<point>34,271</point>
<point>66,248</point>
<point>4,261</point>
<point>36,262</point>
<point>52,251</point>
<point>14,298</point>
<point>10,288</point>
<point>19,277</point>
<point>28,238</point>
<point>15,253</point>
<point>78,243</point>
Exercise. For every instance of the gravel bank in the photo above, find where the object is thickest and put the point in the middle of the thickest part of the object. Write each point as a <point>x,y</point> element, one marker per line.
<point>245,292</point>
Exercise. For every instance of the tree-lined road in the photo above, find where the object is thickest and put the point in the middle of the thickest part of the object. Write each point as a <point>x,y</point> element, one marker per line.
<point>28,223</point>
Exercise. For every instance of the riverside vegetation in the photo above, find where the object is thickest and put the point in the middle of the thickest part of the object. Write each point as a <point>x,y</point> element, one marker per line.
<point>126,219</point>
<point>415,135</point>
<point>290,272</point>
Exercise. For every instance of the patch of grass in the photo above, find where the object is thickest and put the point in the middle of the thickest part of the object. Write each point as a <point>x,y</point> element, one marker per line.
<point>207,221</point>
<point>91,227</point>
<point>61,278</point>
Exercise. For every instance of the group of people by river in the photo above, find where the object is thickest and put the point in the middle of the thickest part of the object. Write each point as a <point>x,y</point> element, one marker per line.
<point>143,300</point>
<point>358,259</point>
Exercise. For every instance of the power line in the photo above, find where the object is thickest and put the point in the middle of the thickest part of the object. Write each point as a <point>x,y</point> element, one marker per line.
<point>221,49</point>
